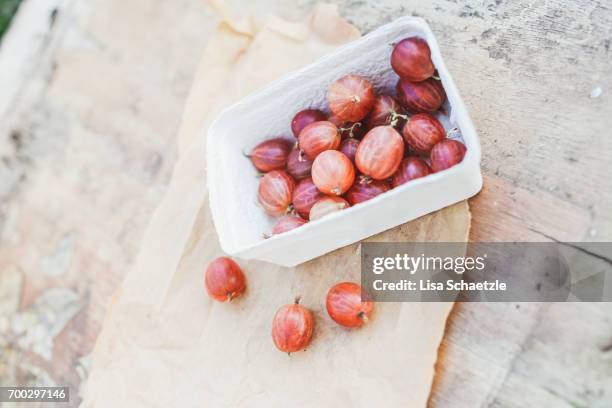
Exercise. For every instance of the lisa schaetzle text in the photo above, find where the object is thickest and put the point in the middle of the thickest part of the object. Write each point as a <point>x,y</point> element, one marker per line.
<point>402,265</point>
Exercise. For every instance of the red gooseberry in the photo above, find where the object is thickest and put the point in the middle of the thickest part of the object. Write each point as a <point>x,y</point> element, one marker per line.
<point>380,153</point>
<point>319,137</point>
<point>446,154</point>
<point>422,131</point>
<point>364,191</point>
<point>275,192</point>
<point>426,96</point>
<point>292,327</point>
<point>333,173</point>
<point>345,305</point>
<point>349,148</point>
<point>287,223</point>
<point>386,111</point>
<point>271,154</point>
<point>411,59</point>
<point>298,164</point>
<point>351,98</point>
<point>326,206</point>
<point>409,169</point>
<point>224,279</point>
<point>305,195</point>
<point>304,118</point>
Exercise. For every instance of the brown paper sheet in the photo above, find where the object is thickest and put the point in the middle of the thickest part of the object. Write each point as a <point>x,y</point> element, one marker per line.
<point>166,344</point>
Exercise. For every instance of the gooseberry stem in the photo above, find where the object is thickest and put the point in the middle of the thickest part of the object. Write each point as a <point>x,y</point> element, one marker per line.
<point>395,117</point>
<point>291,210</point>
<point>365,179</point>
<point>301,155</point>
<point>351,129</point>
<point>452,131</point>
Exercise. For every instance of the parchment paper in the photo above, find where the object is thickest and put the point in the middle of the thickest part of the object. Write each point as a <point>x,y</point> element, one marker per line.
<point>165,343</point>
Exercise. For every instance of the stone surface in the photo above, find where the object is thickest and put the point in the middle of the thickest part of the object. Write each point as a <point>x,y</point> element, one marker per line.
<point>86,149</point>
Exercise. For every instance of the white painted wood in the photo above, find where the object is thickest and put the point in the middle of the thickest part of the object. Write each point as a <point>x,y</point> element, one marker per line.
<point>21,47</point>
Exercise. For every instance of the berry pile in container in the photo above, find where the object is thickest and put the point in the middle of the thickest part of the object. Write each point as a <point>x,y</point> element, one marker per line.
<point>367,143</point>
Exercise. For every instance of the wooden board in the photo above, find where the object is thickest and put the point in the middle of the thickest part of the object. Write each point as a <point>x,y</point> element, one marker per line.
<point>75,151</point>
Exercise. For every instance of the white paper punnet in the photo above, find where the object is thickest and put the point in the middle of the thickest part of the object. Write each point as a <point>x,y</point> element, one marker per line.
<point>241,223</point>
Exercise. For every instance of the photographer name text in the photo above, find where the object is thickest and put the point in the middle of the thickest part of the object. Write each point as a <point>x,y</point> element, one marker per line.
<point>410,265</point>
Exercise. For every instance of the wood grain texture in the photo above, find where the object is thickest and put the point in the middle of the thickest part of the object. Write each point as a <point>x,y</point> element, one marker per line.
<point>75,152</point>
<point>506,212</point>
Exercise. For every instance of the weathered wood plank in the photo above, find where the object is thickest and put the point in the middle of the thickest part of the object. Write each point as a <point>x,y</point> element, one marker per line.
<point>503,211</point>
